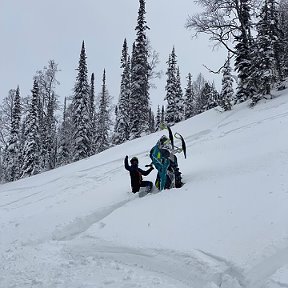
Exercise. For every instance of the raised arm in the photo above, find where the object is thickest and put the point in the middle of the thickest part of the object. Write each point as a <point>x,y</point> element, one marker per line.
<point>127,167</point>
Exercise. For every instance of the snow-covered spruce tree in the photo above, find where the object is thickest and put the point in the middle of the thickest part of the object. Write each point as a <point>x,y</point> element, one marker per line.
<point>163,115</point>
<point>31,150</point>
<point>171,89</point>
<point>158,119</point>
<point>189,98</point>
<point>80,111</point>
<point>214,99</point>
<point>151,121</point>
<point>121,129</point>
<point>227,92</point>
<point>124,55</point>
<point>65,136</point>
<point>277,37</point>
<point>12,151</point>
<point>179,100</point>
<point>41,132</point>
<point>283,24</point>
<point>22,136</point>
<point>103,118</point>
<point>243,61</point>
<point>51,135</point>
<point>133,101</point>
<point>1,166</point>
<point>206,99</point>
<point>267,53</point>
<point>116,111</point>
<point>139,98</point>
<point>92,98</point>
<point>278,40</point>
<point>92,116</point>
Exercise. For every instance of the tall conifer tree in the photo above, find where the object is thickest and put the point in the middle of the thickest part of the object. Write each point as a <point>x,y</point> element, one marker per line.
<point>227,92</point>
<point>158,119</point>
<point>92,116</point>
<point>80,111</point>
<point>189,98</point>
<point>151,121</point>
<point>103,118</point>
<point>179,101</point>
<point>277,37</point>
<point>140,69</point>
<point>122,129</point>
<point>31,149</point>
<point>268,45</point>
<point>207,98</point>
<point>13,150</point>
<point>163,112</point>
<point>283,25</point>
<point>243,61</point>
<point>171,89</point>
<point>50,138</point>
<point>64,153</point>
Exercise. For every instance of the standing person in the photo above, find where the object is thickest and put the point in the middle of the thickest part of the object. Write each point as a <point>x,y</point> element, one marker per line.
<point>136,175</point>
<point>165,161</point>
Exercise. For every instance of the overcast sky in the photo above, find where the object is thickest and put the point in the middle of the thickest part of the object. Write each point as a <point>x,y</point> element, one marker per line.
<point>35,31</point>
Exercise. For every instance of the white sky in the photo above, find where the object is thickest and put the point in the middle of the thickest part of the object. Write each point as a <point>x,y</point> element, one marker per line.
<point>34,31</point>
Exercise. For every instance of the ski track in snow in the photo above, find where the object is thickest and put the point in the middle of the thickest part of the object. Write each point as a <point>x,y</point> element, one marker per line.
<point>80,225</point>
<point>189,269</point>
<point>125,267</point>
<point>266,269</point>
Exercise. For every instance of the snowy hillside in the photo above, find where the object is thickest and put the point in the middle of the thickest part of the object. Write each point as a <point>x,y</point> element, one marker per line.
<point>79,226</point>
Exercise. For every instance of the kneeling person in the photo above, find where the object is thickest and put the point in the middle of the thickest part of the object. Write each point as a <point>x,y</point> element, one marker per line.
<point>136,175</point>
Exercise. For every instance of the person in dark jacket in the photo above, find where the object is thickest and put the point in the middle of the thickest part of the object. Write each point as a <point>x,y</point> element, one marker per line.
<point>136,175</point>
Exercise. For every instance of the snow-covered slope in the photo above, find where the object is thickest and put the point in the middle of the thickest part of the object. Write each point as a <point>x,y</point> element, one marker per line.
<point>79,226</point>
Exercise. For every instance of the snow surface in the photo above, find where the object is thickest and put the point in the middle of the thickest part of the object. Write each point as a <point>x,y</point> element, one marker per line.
<point>80,226</point>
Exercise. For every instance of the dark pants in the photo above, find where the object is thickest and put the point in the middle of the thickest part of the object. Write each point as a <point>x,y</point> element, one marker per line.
<point>146,184</point>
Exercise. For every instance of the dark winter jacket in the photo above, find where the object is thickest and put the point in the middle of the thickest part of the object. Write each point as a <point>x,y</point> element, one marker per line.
<point>136,174</point>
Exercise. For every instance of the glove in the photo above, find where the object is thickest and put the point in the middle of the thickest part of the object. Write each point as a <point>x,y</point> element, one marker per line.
<point>126,158</point>
<point>150,165</point>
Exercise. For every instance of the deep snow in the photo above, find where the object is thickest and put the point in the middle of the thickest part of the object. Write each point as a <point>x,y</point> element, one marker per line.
<point>80,226</point>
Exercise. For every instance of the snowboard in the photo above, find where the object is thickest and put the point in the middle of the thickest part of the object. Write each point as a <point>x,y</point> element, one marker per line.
<point>143,192</point>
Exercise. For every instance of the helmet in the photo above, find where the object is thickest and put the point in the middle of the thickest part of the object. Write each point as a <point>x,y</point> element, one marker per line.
<point>134,160</point>
<point>164,142</point>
